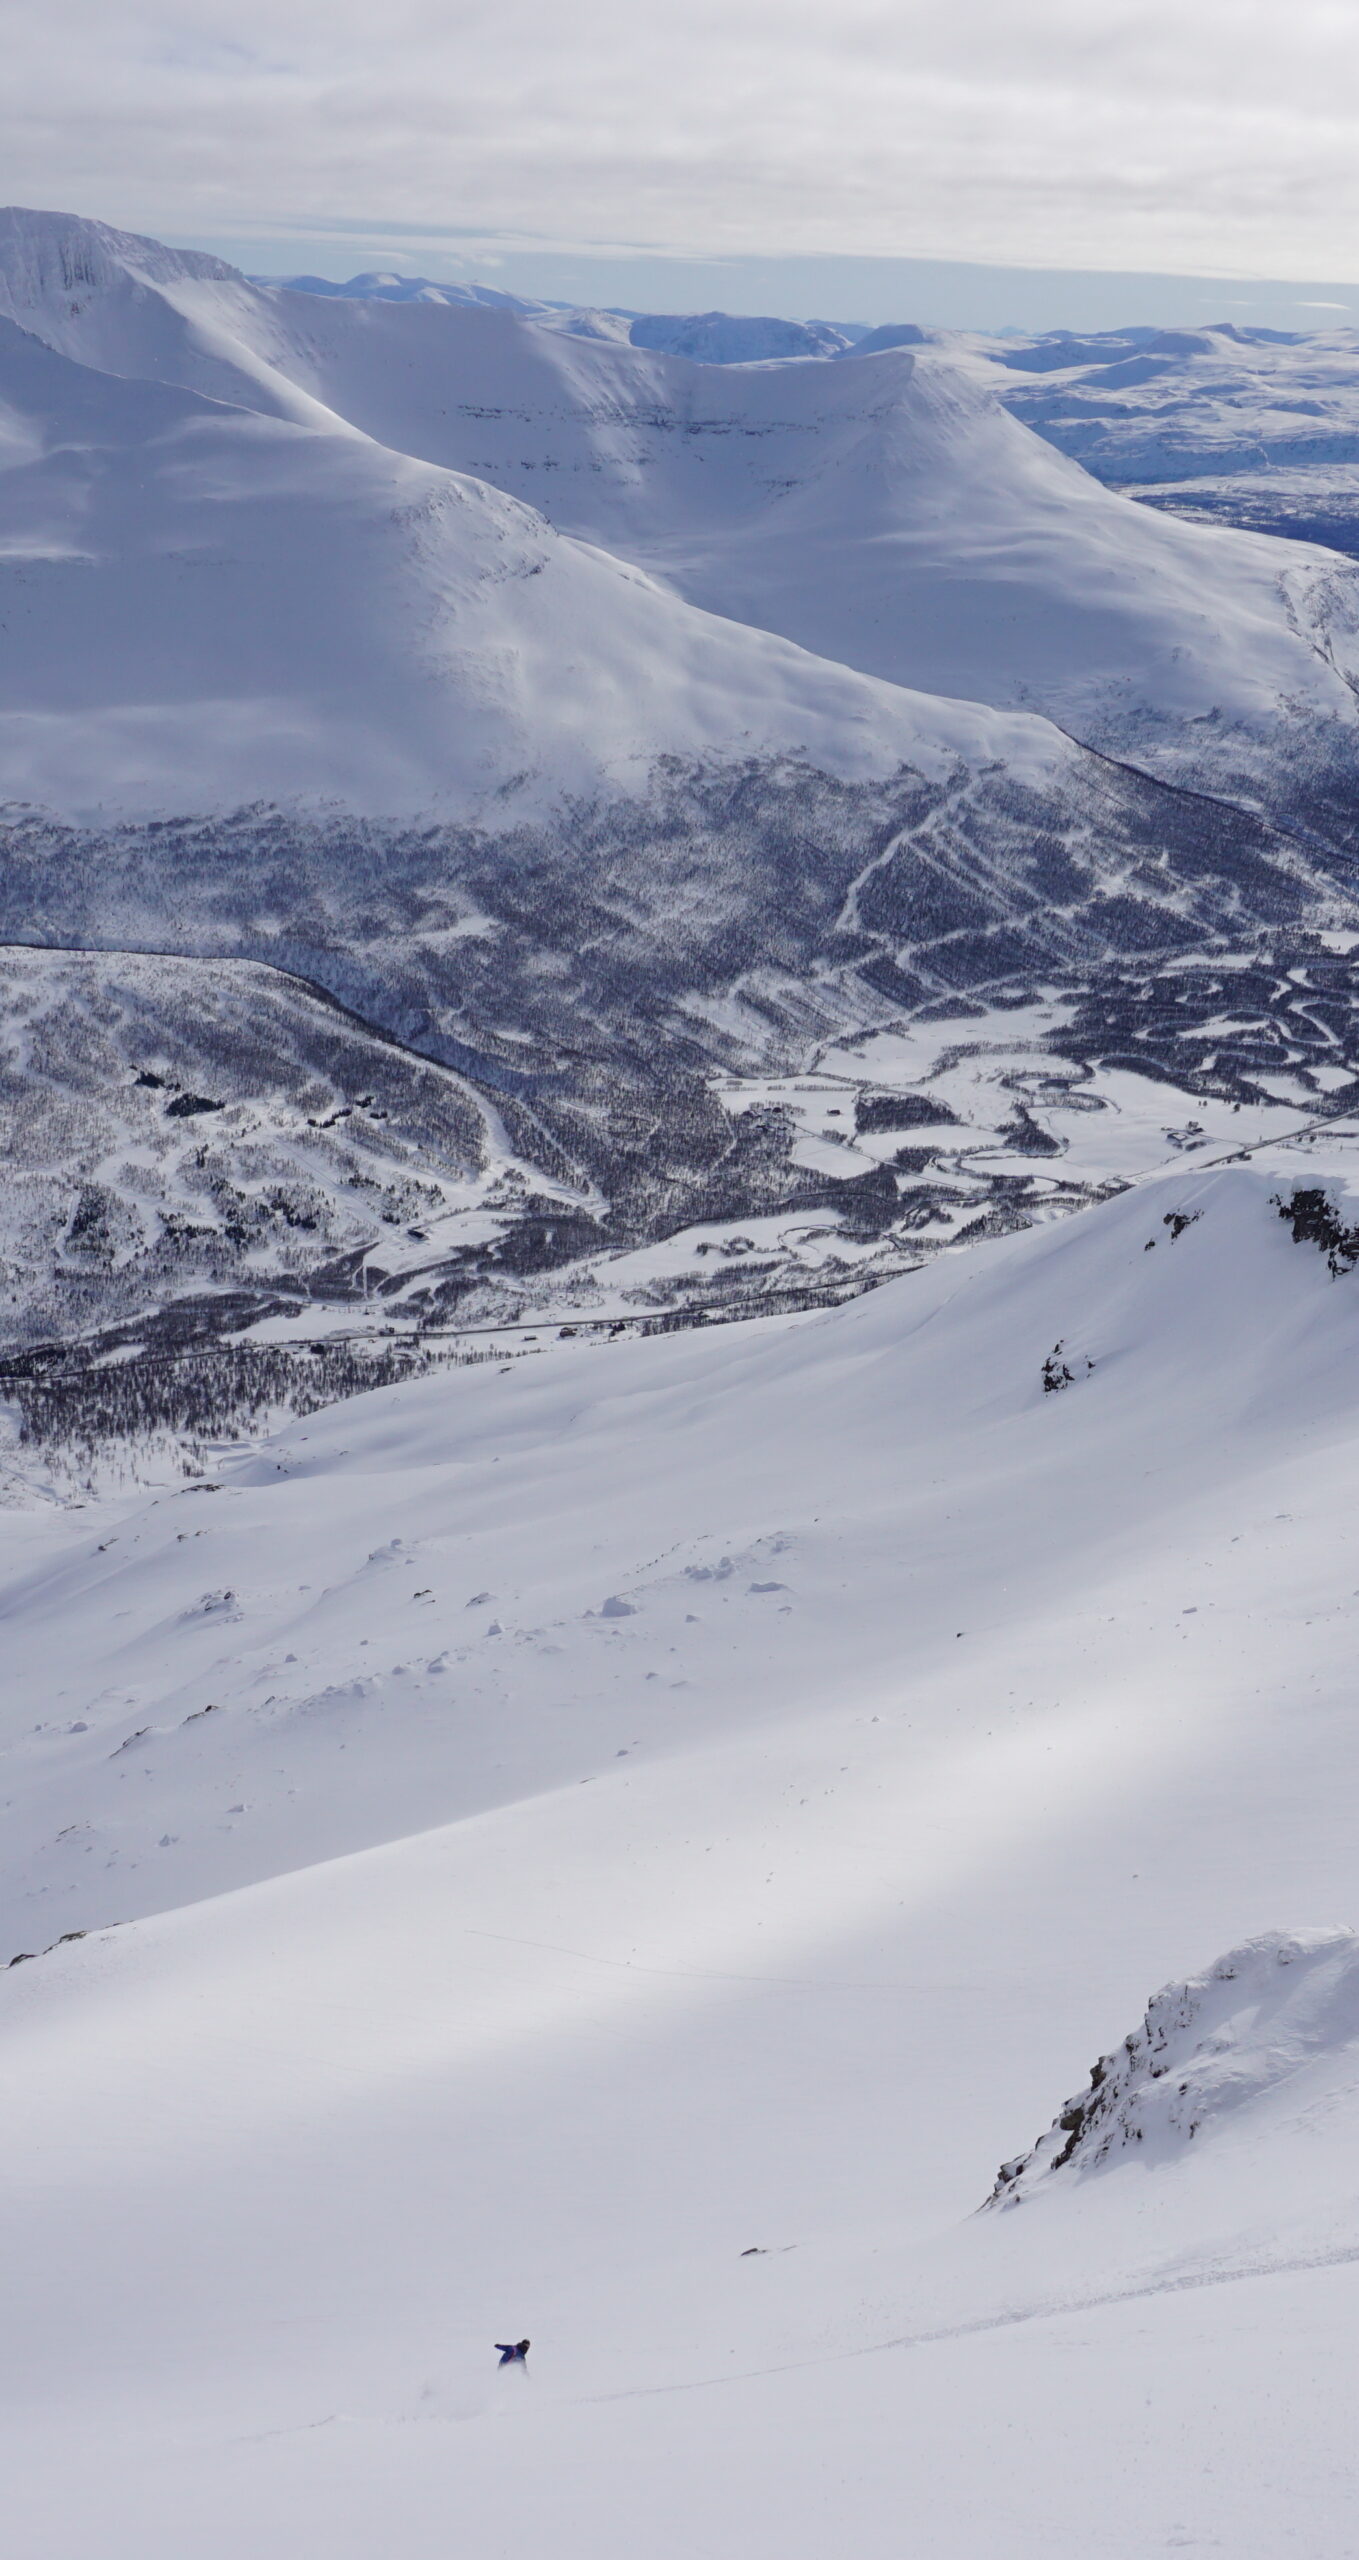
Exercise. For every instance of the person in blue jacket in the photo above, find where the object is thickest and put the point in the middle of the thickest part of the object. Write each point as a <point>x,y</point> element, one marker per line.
<point>512,2355</point>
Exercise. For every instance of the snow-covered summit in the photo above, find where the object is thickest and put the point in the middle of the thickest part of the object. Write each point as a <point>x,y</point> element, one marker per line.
<point>50,258</point>
<point>1206,2048</point>
<point>706,337</point>
<point>381,285</point>
<point>724,337</point>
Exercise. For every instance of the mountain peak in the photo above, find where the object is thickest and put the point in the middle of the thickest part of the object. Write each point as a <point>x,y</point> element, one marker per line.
<point>45,255</point>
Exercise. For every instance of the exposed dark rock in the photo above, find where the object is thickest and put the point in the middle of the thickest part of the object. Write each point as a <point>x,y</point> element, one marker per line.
<point>187,1105</point>
<point>1314,1220</point>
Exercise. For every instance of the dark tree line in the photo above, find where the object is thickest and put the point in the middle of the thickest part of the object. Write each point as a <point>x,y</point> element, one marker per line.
<point>208,1394</point>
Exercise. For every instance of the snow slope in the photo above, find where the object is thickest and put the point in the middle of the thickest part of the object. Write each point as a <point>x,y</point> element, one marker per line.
<point>653,1944</point>
<point>886,512</point>
<point>925,539</point>
<point>207,605</point>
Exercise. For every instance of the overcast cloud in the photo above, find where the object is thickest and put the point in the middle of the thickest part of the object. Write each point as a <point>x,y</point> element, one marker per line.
<point>1214,136</point>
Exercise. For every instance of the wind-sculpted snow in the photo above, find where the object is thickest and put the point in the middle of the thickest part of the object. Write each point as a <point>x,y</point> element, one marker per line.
<point>1207,2048</point>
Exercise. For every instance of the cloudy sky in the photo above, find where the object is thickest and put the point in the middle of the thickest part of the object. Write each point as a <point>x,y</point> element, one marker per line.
<point>1211,137</point>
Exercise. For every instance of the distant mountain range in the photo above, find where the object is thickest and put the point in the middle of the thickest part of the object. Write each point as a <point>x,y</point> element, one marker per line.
<point>1264,421</point>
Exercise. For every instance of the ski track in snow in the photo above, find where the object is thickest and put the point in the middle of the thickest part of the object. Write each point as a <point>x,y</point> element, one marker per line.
<point>1207,2280</point>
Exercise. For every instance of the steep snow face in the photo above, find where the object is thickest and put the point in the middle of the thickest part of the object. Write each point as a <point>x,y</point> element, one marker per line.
<point>129,305</point>
<point>1205,2049</point>
<point>47,259</point>
<point>767,1761</point>
<point>206,605</point>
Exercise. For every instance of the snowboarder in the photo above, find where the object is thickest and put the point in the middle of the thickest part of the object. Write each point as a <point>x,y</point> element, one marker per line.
<point>512,2355</point>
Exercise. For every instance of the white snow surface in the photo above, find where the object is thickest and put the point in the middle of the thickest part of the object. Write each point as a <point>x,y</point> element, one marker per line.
<point>705,337</point>
<point>671,1816</point>
<point>1182,403</point>
<point>615,1844</point>
<point>208,604</point>
<point>886,514</point>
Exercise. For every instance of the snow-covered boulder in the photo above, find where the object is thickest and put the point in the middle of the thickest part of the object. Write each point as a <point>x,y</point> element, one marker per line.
<point>1205,2048</point>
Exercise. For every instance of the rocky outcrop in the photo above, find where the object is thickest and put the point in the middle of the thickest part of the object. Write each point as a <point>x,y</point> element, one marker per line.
<point>1205,2048</point>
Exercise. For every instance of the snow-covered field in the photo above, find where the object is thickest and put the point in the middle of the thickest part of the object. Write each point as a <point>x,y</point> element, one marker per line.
<point>621,1851</point>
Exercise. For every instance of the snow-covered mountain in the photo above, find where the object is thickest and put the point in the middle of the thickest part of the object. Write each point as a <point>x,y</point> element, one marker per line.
<point>208,604</point>
<point>886,513</point>
<point>1149,405</point>
<point>706,337</point>
<point>293,675</point>
<point>723,337</point>
<point>250,599</point>
<point>1257,428</point>
<point>606,1825</point>
<point>650,1945</point>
